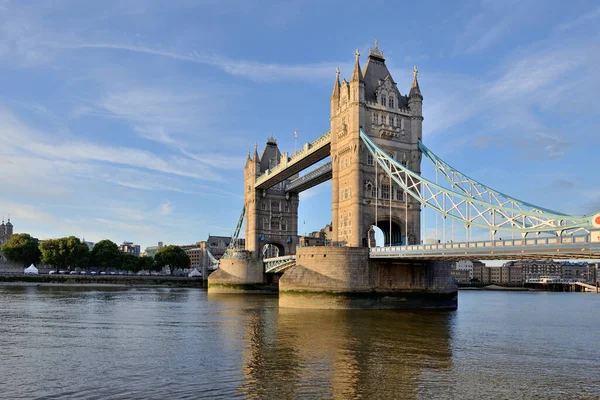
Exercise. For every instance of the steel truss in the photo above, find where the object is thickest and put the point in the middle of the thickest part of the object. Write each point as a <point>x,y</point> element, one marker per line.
<point>473,203</point>
<point>233,244</point>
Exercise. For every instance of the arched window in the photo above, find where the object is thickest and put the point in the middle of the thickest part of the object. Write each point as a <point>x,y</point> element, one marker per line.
<point>383,100</point>
<point>391,102</point>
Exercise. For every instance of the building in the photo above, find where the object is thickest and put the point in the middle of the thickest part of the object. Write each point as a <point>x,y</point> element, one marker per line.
<point>217,245</point>
<point>578,271</point>
<point>130,248</point>
<point>196,255</point>
<point>6,231</point>
<point>152,250</point>
<point>535,269</point>
<point>372,102</point>
<point>317,238</point>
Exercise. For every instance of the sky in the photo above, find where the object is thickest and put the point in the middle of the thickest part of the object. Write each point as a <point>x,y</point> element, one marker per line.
<point>131,120</point>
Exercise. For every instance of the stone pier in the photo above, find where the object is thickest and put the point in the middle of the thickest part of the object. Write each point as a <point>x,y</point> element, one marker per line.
<point>240,275</point>
<point>345,278</point>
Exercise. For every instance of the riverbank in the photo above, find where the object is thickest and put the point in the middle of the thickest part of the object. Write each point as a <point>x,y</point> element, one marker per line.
<point>496,287</point>
<point>99,281</point>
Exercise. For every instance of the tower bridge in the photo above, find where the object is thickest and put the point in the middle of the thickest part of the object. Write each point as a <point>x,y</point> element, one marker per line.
<point>375,147</point>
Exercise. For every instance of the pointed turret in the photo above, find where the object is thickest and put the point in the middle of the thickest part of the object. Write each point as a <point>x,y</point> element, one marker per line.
<point>336,85</point>
<point>415,91</point>
<point>357,75</point>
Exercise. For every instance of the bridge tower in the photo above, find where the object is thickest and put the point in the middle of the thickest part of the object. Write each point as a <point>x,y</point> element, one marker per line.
<point>361,197</point>
<point>271,214</point>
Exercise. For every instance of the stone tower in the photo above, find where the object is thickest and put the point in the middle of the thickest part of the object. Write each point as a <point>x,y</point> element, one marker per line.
<point>272,214</point>
<point>360,199</point>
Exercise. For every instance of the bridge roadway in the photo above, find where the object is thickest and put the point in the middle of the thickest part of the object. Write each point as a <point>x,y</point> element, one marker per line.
<point>566,247</point>
<point>310,154</point>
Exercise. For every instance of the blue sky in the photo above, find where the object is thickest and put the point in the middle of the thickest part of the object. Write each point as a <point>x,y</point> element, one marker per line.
<point>130,120</point>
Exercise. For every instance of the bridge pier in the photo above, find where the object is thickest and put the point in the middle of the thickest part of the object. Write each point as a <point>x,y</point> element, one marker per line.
<point>345,278</point>
<point>240,275</point>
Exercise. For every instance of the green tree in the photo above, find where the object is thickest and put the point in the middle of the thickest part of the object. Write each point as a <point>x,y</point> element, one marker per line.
<point>145,263</point>
<point>129,262</point>
<point>65,253</point>
<point>75,252</point>
<point>106,254</point>
<point>22,248</point>
<point>173,256</point>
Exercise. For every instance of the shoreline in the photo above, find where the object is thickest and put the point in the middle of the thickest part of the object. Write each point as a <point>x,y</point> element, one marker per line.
<point>100,281</point>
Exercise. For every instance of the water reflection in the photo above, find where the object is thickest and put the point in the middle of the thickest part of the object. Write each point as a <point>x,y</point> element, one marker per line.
<point>293,353</point>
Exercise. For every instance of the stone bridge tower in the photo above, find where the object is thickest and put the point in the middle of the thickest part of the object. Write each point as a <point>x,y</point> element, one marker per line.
<point>360,199</point>
<point>272,214</point>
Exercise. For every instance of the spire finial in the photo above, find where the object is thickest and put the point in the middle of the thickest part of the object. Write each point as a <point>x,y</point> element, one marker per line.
<point>415,72</point>
<point>375,50</point>
<point>357,54</point>
<point>337,72</point>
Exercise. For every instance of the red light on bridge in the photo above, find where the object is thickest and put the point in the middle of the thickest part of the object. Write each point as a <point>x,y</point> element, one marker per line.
<point>597,220</point>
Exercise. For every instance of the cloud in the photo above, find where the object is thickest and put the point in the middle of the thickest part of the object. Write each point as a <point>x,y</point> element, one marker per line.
<point>165,209</point>
<point>253,70</point>
<point>18,135</point>
<point>585,18</point>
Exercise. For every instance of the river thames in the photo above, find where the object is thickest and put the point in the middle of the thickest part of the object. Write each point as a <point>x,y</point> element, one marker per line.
<point>158,343</point>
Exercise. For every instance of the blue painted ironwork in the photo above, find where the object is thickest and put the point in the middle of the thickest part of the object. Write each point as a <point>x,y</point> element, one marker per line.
<point>578,246</point>
<point>233,244</point>
<point>279,264</point>
<point>465,201</point>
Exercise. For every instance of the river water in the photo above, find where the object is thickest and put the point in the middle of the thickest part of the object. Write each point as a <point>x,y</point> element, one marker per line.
<point>159,343</point>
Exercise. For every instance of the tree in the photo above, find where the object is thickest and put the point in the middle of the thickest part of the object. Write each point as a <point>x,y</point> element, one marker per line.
<point>145,263</point>
<point>129,262</point>
<point>65,253</point>
<point>22,248</point>
<point>173,256</point>
<point>106,254</point>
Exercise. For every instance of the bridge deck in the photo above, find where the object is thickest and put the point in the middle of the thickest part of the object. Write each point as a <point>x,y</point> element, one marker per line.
<point>310,154</point>
<point>512,249</point>
<point>310,179</point>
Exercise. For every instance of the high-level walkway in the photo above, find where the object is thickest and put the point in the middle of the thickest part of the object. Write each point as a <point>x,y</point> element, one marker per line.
<point>310,154</point>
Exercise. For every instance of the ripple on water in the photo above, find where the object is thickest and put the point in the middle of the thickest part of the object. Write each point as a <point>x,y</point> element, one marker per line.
<point>160,343</point>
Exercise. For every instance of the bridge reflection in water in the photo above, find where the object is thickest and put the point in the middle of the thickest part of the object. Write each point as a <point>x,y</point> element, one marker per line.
<point>347,354</point>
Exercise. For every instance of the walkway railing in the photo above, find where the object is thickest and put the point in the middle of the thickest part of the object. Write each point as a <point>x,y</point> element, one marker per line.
<point>579,246</point>
<point>279,264</point>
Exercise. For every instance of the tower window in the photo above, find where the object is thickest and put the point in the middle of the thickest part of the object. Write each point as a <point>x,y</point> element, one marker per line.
<point>385,192</point>
<point>383,100</point>
<point>283,225</point>
<point>370,160</point>
<point>393,121</point>
<point>391,102</point>
<point>263,205</point>
<point>275,206</point>
<point>286,207</point>
<point>265,223</point>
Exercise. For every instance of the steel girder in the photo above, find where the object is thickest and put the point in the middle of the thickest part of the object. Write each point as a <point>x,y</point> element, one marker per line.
<point>473,203</point>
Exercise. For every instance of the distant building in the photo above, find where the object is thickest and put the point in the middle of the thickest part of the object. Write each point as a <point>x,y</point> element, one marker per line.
<point>90,245</point>
<point>130,248</point>
<point>6,231</point>
<point>535,269</point>
<point>197,257</point>
<point>217,245</point>
<point>578,271</point>
<point>152,250</point>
